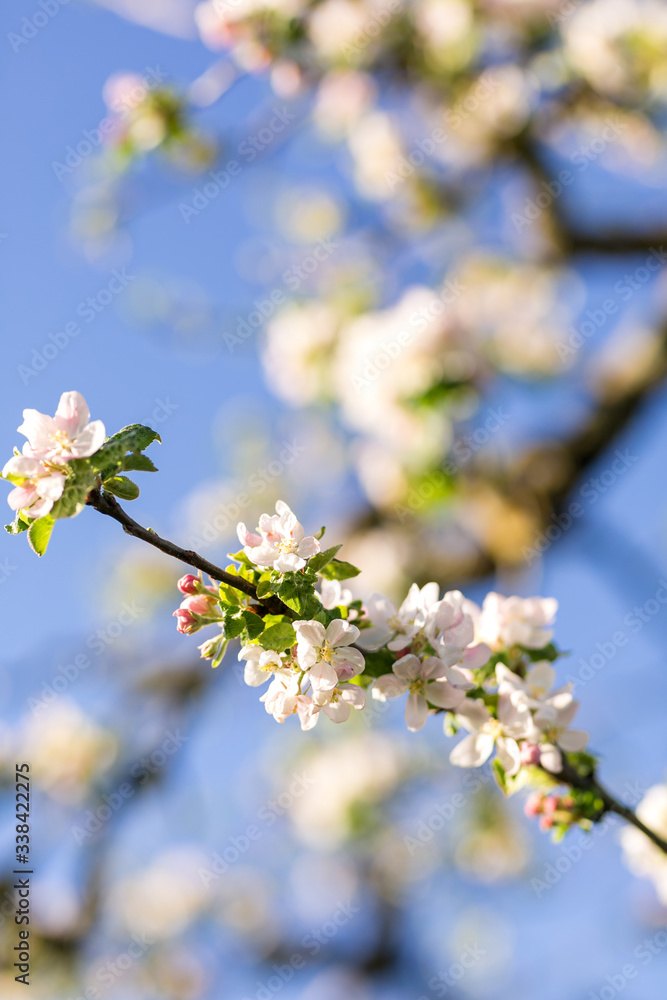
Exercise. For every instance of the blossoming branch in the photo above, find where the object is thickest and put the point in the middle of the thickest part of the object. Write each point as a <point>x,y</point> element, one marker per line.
<point>488,672</point>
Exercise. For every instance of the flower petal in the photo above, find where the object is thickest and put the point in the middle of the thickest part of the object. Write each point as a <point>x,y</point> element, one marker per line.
<point>472,751</point>
<point>416,712</point>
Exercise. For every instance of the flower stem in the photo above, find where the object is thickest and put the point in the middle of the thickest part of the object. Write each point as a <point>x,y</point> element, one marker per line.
<point>104,503</point>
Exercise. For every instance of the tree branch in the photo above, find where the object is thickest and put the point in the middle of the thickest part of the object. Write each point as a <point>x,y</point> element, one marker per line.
<point>589,783</point>
<point>104,503</point>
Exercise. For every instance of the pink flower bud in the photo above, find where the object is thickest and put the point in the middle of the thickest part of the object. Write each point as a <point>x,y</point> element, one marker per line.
<point>566,803</point>
<point>530,754</point>
<point>546,822</point>
<point>200,604</point>
<point>533,806</point>
<point>188,584</point>
<point>550,805</point>
<point>187,623</point>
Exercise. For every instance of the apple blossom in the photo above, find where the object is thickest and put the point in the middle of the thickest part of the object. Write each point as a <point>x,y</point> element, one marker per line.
<point>188,584</point>
<point>326,653</point>
<point>451,631</point>
<point>336,704</point>
<point>533,689</point>
<point>281,544</point>
<point>551,721</point>
<point>516,621</point>
<point>70,434</point>
<point>394,627</point>
<point>426,682</point>
<point>260,664</point>
<point>39,486</point>
<point>485,732</point>
<point>333,595</point>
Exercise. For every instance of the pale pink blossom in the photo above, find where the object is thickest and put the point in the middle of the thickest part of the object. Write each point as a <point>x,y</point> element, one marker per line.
<point>516,621</point>
<point>552,733</point>
<point>426,681</point>
<point>188,584</point>
<point>70,434</point>
<point>38,488</point>
<point>534,689</point>
<point>332,594</point>
<point>336,704</point>
<point>451,631</point>
<point>396,627</point>
<point>260,664</point>
<point>326,653</point>
<point>281,543</point>
<point>283,699</point>
<point>485,732</point>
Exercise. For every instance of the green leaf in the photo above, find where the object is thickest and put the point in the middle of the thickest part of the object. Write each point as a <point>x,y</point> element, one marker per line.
<point>39,534</point>
<point>337,569</point>
<point>297,592</point>
<point>122,487</point>
<point>323,559</point>
<point>254,624</point>
<point>278,637</point>
<point>320,534</point>
<point>134,437</point>
<point>229,596</point>
<point>220,653</point>
<point>264,588</point>
<point>18,525</point>
<point>138,463</point>
<point>233,626</point>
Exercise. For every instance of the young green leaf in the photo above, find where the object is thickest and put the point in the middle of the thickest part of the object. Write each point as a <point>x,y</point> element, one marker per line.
<point>137,462</point>
<point>323,559</point>
<point>39,534</point>
<point>337,569</point>
<point>122,487</point>
<point>278,637</point>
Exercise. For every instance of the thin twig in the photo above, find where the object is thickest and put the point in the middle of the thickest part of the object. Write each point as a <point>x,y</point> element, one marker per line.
<point>104,503</point>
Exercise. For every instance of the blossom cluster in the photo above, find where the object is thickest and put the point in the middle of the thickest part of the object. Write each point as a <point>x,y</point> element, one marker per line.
<point>65,458</point>
<point>486,670</point>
